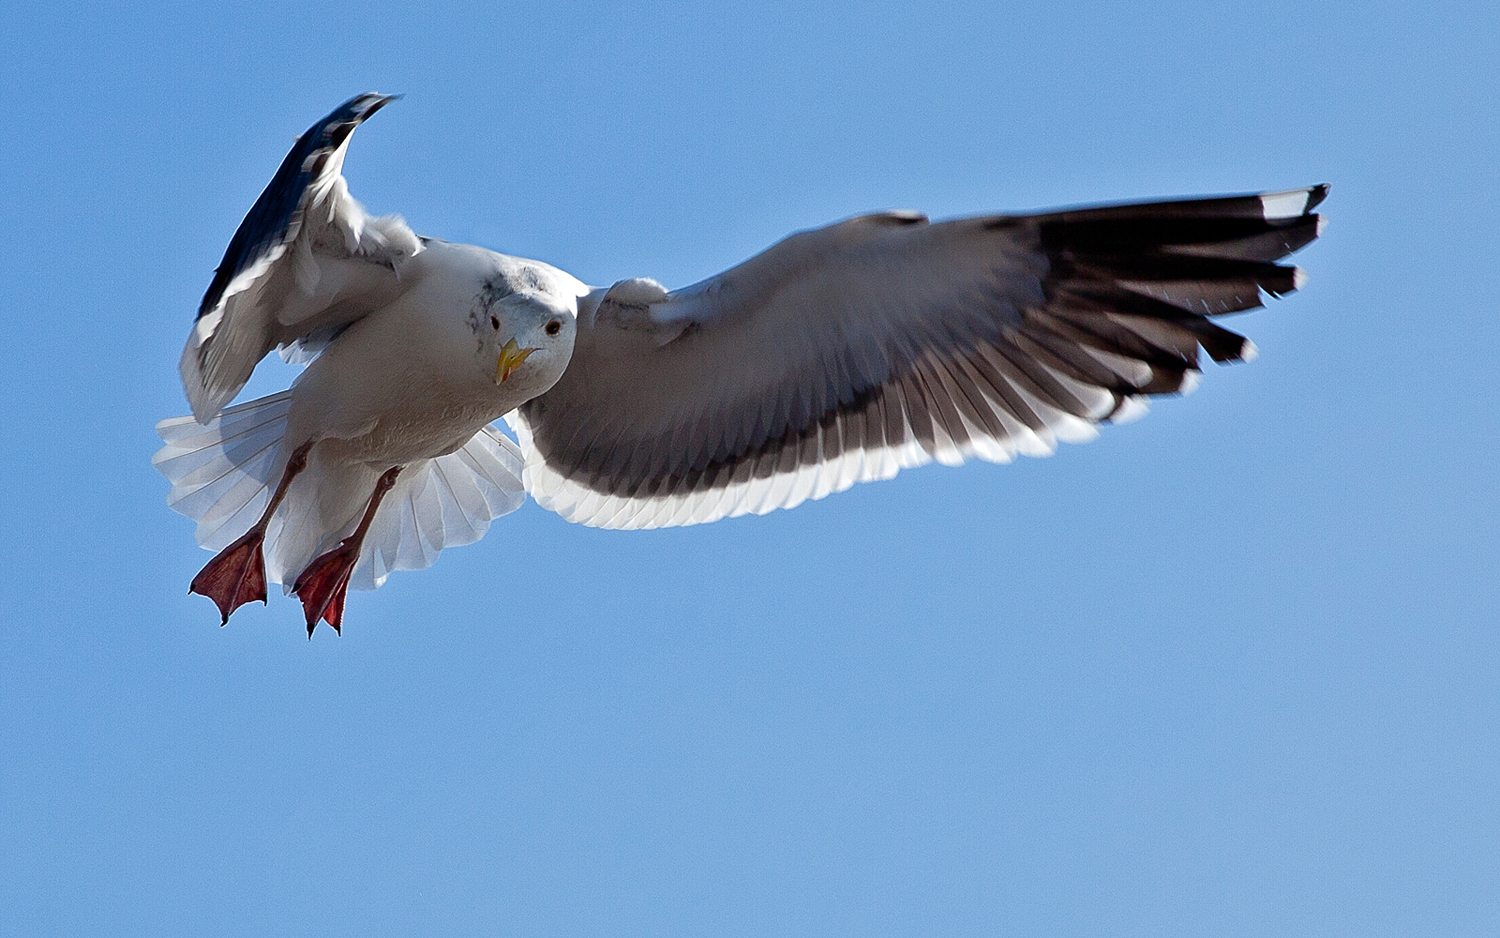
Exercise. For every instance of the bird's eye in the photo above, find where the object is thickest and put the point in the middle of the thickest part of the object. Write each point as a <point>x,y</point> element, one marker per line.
<point>554,327</point>
<point>495,322</point>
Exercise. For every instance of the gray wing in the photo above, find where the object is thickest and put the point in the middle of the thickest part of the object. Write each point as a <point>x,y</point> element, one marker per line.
<point>847,353</point>
<point>304,263</point>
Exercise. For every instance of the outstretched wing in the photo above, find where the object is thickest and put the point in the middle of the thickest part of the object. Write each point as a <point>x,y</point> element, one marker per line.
<point>847,353</point>
<point>305,263</point>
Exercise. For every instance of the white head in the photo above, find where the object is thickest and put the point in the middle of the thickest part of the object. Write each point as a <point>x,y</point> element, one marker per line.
<point>526,340</point>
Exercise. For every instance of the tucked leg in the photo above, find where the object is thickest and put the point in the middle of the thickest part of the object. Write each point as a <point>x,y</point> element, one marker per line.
<point>237,574</point>
<point>324,584</point>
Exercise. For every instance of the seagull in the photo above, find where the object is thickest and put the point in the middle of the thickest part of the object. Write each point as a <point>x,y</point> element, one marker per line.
<point>841,354</point>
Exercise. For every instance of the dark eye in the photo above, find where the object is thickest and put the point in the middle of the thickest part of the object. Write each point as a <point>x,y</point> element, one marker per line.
<point>554,327</point>
<point>495,322</point>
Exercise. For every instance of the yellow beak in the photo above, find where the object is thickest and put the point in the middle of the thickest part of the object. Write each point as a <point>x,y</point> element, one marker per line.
<point>511,357</point>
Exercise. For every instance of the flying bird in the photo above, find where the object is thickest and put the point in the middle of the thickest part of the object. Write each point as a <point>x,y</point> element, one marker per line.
<point>842,354</point>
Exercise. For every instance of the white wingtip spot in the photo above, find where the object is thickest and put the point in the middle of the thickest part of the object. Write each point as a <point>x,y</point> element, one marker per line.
<point>1299,278</point>
<point>1190,381</point>
<point>1131,409</point>
<point>1276,205</point>
<point>1249,352</point>
<point>1322,224</point>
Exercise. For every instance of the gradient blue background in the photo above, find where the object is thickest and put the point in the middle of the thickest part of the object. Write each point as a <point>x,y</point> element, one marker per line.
<point>1232,670</point>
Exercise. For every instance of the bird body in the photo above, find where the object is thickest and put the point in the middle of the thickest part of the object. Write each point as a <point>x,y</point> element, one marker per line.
<point>840,355</point>
<point>415,379</point>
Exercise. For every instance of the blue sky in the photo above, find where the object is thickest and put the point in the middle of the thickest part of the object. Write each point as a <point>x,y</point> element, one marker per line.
<point>1229,670</point>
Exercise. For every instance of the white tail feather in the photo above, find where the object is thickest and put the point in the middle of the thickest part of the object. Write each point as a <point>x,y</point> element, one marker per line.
<point>222,473</point>
<point>444,502</point>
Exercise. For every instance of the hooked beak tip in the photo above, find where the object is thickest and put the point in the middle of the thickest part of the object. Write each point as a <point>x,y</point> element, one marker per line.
<point>511,357</point>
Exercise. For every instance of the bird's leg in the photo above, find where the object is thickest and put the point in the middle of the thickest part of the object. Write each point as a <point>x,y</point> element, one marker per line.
<point>324,584</point>
<point>237,574</point>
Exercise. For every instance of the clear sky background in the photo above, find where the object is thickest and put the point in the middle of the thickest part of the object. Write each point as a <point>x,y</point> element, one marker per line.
<point>1231,670</point>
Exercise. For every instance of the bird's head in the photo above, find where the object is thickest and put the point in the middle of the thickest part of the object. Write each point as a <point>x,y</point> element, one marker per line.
<point>529,342</point>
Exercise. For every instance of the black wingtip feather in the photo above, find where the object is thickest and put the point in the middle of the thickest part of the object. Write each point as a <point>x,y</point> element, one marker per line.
<point>1141,279</point>
<point>1197,240</point>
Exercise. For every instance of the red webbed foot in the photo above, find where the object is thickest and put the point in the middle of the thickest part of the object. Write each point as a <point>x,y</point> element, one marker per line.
<point>236,575</point>
<point>323,586</point>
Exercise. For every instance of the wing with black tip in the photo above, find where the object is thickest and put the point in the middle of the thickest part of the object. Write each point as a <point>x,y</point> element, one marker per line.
<point>306,262</point>
<point>847,353</point>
